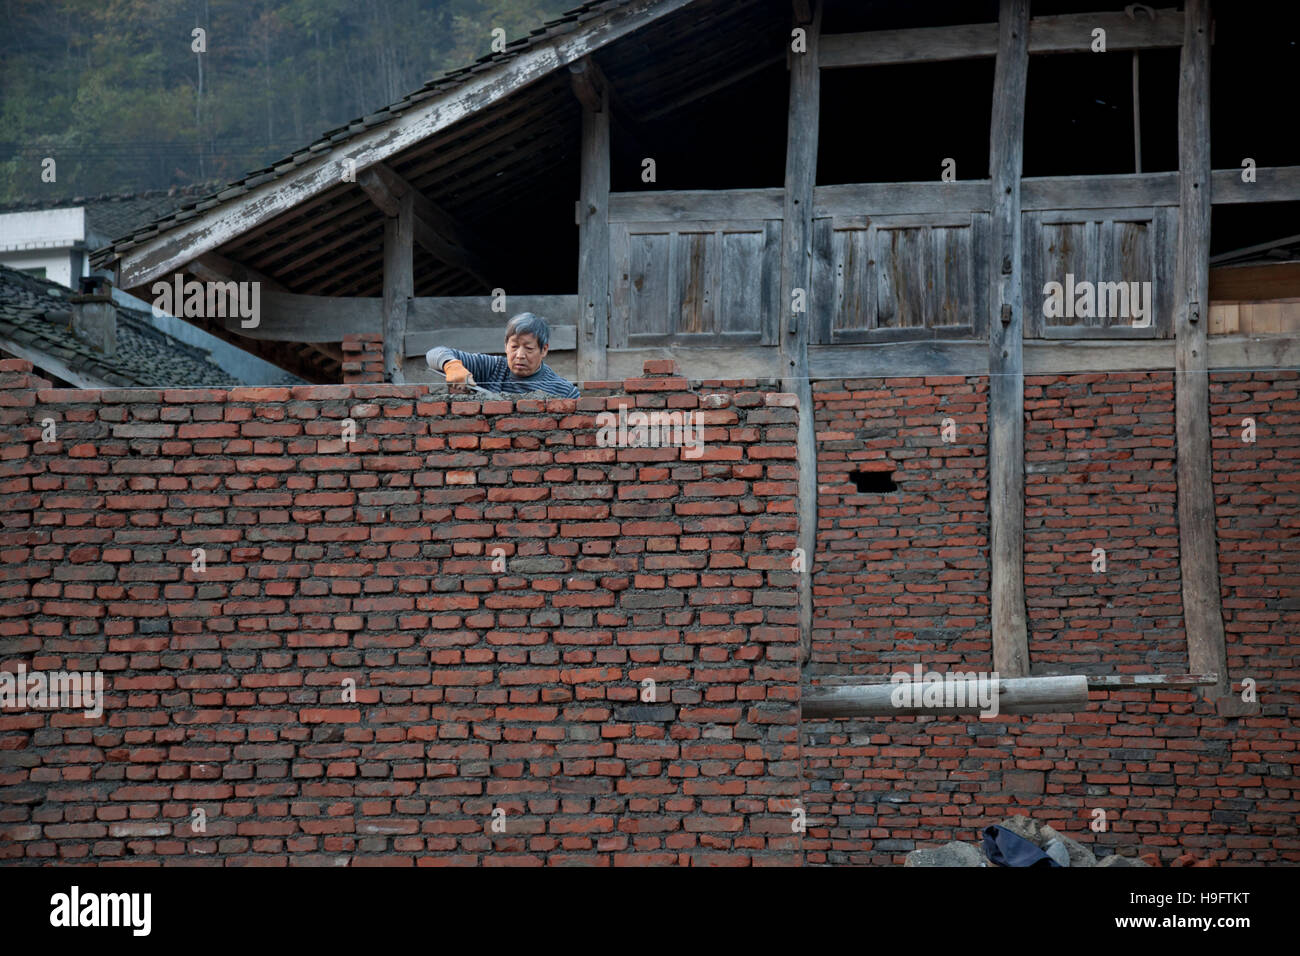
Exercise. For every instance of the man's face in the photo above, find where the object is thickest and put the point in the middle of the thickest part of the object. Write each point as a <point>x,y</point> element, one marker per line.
<point>524,355</point>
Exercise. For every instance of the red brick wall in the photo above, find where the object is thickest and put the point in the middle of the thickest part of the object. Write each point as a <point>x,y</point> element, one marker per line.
<point>905,573</point>
<point>1171,774</point>
<point>475,689</point>
<point>363,359</point>
<point>1099,474</point>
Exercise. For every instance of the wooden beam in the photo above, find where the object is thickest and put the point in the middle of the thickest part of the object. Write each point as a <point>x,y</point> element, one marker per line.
<point>1071,33</point>
<point>700,364</point>
<point>432,313</point>
<point>1043,357</point>
<point>1006,414</point>
<point>1125,190</point>
<point>797,289</point>
<point>1022,695</point>
<point>212,267</point>
<point>1255,282</point>
<point>436,232</point>
<point>1272,184</point>
<point>691,205</point>
<point>1197,535</point>
<point>1111,682</point>
<point>585,78</point>
<point>224,222</point>
<point>288,317</point>
<point>489,339</point>
<point>399,283</point>
<point>593,222</point>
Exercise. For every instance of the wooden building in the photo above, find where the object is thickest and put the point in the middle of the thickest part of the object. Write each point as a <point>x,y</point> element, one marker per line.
<point>648,175</point>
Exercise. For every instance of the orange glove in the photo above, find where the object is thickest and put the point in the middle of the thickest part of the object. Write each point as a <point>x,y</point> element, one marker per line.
<point>457,373</point>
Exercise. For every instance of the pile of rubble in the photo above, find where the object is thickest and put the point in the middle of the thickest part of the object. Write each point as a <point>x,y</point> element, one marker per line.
<point>1062,849</point>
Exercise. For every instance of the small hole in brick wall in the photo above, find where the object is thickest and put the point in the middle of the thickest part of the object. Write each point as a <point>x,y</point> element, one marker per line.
<point>873,482</point>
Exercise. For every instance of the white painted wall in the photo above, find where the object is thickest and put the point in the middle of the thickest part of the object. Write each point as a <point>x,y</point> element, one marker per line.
<point>49,239</point>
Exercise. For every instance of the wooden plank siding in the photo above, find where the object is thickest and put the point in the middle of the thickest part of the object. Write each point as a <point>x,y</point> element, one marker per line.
<point>1099,246</point>
<point>684,280</point>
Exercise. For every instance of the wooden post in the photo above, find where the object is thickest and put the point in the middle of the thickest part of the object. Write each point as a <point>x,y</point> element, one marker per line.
<point>1006,415</point>
<point>1197,537</point>
<point>1020,695</point>
<point>796,291</point>
<point>399,285</point>
<point>593,223</point>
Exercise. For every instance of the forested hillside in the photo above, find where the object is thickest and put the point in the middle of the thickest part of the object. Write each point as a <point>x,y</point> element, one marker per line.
<point>114,91</point>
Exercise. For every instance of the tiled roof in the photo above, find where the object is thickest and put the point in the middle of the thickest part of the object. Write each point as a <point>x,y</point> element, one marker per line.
<point>569,22</point>
<point>35,314</point>
<point>113,214</point>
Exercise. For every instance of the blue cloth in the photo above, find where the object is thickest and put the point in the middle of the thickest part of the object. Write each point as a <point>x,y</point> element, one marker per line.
<point>1008,848</point>
<point>493,373</point>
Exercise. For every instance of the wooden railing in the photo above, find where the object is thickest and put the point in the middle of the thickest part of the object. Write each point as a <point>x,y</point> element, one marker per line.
<point>895,261</point>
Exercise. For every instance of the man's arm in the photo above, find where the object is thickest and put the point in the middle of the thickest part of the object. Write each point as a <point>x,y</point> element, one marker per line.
<point>480,366</point>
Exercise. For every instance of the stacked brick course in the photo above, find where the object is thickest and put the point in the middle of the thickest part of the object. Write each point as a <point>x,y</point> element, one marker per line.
<point>1172,774</point>
<point>498,586</point>
<point>511,679</point>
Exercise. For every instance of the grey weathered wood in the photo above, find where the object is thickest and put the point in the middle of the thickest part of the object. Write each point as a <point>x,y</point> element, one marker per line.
<point>1095,245</point>
<point>219,225</point>
<point>945,200</point>
<point>620,277</point>
<point>1133,190</point>
<point>640,340</point>
<point>1197,535</point>
<point>1272,184</point>
<point>699,363</point>
<point>1017,695</point>
<point>1071,33</point>
<point>288,317</point>
<point>429,313</point>
<point>437,232</point>
<point>486,338</point>
<point>688,205</point>
<point>797,273</point>
<point>980,271</point>
<point>653,258</point>
<point>1127,190</point>
<point>968,357</point>
<point>899,360</point>
<point>822,298</point>
<point>740,277</point>
<point>1151,681</point>
<point>916,45</point>
<point>1006,459</point>
<point>593,228</point>
<point>770,308</point>
<point>587,86</point>
<point>213,267</point>
<point>399,284</point>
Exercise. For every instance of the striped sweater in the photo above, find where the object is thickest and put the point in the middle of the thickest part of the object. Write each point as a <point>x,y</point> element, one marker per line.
<point>493,373</point>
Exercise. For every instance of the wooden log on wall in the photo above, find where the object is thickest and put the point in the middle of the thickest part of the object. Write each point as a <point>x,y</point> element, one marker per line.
<point>399,285</point>
<point>796,274</point>
<point>1006,457</point>
<point>593,92</point>
<point>1017,695</point>
<point>1197,536</point>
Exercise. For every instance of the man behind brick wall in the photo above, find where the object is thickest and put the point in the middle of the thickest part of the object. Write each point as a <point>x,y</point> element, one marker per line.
<point>522,370</point>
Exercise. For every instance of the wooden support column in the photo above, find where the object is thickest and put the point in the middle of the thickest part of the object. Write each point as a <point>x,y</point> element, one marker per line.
<point>796,288</point>
<point>1006,414</point>
<point>593,91</point>
<point>399,284</point>
<point>1198,551</point>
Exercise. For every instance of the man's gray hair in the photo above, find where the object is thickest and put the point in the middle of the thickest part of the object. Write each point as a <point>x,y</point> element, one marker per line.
<point>525,323</point>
